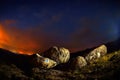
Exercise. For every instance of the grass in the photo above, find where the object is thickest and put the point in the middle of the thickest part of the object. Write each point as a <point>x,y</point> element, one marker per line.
<point>105,68</point>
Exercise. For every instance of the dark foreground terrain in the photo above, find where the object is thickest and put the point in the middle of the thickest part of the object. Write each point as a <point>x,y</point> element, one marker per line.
<point>104,68</point>
<point>16,67</point>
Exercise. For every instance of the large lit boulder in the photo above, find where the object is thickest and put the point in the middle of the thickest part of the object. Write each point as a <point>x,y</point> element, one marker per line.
<point>60,55</point>
<point>78,62</point>
<point>96,53</point>
<point>43,62</point>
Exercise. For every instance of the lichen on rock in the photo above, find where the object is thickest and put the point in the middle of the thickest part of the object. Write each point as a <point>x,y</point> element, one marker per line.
<point>60,55</point>
<point>43,62</point>
<point>79,62</point>
<point>96,53</point>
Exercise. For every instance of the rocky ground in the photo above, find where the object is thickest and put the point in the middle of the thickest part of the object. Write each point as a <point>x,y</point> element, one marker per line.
<point>57,63</point>
<point>105,68</point>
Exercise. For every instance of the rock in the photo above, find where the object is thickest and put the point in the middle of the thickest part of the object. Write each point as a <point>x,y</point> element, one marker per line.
<point>43,62</point>
<point>79,62</point>
<point>96,53</point>
<point>60,55</point>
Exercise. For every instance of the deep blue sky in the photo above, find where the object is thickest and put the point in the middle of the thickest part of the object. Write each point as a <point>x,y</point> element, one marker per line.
<point>75,24</point>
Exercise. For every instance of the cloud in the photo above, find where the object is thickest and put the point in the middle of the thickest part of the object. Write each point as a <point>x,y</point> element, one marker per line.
<point>18,39</point>
<point>87,32</point>
<point>30,39</point>
<point>91,32</point>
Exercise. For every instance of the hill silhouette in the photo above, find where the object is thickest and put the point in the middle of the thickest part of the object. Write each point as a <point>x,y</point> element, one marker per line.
<point>111,47</point>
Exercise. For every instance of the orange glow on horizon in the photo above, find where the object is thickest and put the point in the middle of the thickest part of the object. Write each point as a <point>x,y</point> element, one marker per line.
<point>3,36</point>
<point>22,44</point>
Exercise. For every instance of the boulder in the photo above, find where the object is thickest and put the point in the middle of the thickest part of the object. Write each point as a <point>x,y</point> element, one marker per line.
<point>78,62</point>
<point>60,55</point>
<point>96,53</point>
<point>43,62</point>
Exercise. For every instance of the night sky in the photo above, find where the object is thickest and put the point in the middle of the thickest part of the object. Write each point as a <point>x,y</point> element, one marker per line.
<point>30,25</point>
